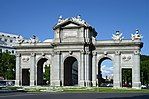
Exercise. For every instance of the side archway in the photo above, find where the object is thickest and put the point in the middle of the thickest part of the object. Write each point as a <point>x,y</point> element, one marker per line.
<point>105,71</point>
<point>43,66</point>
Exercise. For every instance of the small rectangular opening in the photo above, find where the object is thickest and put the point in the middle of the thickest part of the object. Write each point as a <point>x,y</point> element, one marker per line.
<point>126,77</point>
<point>25,77</point>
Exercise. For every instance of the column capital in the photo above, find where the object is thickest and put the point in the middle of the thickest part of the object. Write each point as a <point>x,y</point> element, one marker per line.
<point>136,52</point>
<point>87,52</point>
<point>82,52</point>
<point>57,52</point>
<point>117,52</point>
<point>94,53</point>
<point>52,54</point>
<point>18,54</point>
<point>33,54</point>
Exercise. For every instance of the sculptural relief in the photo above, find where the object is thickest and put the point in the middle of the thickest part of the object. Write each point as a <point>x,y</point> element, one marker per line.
<point>25,59</point>
<point>126,58</point>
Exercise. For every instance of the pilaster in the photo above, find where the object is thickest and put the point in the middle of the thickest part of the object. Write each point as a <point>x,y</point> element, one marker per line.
<point>136,70</point>
<point>94,72</point>
<point>87,69</point>
<point>18,70</point>
<point>117,70</point>
<point>82,70</point>
<point>33,69</point>
<point>56,69</point>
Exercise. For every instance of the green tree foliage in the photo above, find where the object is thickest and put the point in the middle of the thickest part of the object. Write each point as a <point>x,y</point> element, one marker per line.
<point>47,73</point>
<point>7,66</point>
<point>144,69</point>
<point>127,77</point>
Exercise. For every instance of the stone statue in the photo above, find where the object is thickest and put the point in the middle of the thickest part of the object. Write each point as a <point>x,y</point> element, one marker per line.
<point>19,39</point>
<point>34,39</point>
<point>76,19</point>
<point>60,19</point>
<point>117,36</point>
<point>136,36</point>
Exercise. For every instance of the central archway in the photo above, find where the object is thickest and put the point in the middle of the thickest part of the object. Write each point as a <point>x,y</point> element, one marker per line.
<point>41,69</point>
<point>70,71</point>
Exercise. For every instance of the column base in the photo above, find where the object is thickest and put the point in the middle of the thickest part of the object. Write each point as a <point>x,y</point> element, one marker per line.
<point>116,85</point>
<point>88,83</point>
<point>81,83</point>
<point>17,83</point>
<point>32,83</point>
<point>56,83</point>
<point>94,84</point>
<point>136,85</point>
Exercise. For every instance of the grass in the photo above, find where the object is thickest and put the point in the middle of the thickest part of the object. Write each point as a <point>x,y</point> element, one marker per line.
<point>105,90</point>
<point>13,87</point>
<point>77,89</point>
<point>84,90</point>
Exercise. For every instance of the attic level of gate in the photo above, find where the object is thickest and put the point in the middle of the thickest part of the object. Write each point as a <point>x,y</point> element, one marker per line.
<point>73,29</point>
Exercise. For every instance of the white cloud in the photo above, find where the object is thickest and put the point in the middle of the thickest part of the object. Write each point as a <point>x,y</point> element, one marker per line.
<point>106,71</point>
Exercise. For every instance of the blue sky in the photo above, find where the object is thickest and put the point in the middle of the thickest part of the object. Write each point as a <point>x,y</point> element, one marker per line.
<point>28,17</point>
<point>106,68</point>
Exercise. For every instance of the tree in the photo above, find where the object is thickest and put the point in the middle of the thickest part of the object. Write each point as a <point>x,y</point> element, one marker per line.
<point>7,66</point>
<point>144,69</point>
<point>127,77</point>
<point>47,73</point>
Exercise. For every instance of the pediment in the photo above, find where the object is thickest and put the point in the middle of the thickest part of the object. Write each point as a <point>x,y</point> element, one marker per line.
<point>71,25</point>
<point>71,22</point>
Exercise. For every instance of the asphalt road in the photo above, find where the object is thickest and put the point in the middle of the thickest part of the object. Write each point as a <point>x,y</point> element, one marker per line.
<point>17,95</point>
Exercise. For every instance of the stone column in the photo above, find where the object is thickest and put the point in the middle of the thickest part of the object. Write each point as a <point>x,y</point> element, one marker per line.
<point>87,35</point>
<point>116,70</point>
<point>56,69</point>
<point>87,69</point>
<point>136,70</point>
<point>33,69</point>
<point>61,72</point>
<point>82,70</point>
<point>18,70</point>
<point>57,35</point>
<point>94,64</point>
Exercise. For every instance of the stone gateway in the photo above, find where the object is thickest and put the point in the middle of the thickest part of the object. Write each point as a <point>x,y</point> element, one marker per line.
<point>74,56</point>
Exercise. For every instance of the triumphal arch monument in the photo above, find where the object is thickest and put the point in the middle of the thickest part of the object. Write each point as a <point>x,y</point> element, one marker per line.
<point>74,56</point>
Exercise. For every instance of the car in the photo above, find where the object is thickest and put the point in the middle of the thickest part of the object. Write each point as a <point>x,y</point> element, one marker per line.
<point>2,83</point>
<point>109,85</point>
<point>143,86</point>
<point>103,85</point>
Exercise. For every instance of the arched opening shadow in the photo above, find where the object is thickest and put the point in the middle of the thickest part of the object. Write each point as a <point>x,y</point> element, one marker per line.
<point>70,71</point>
